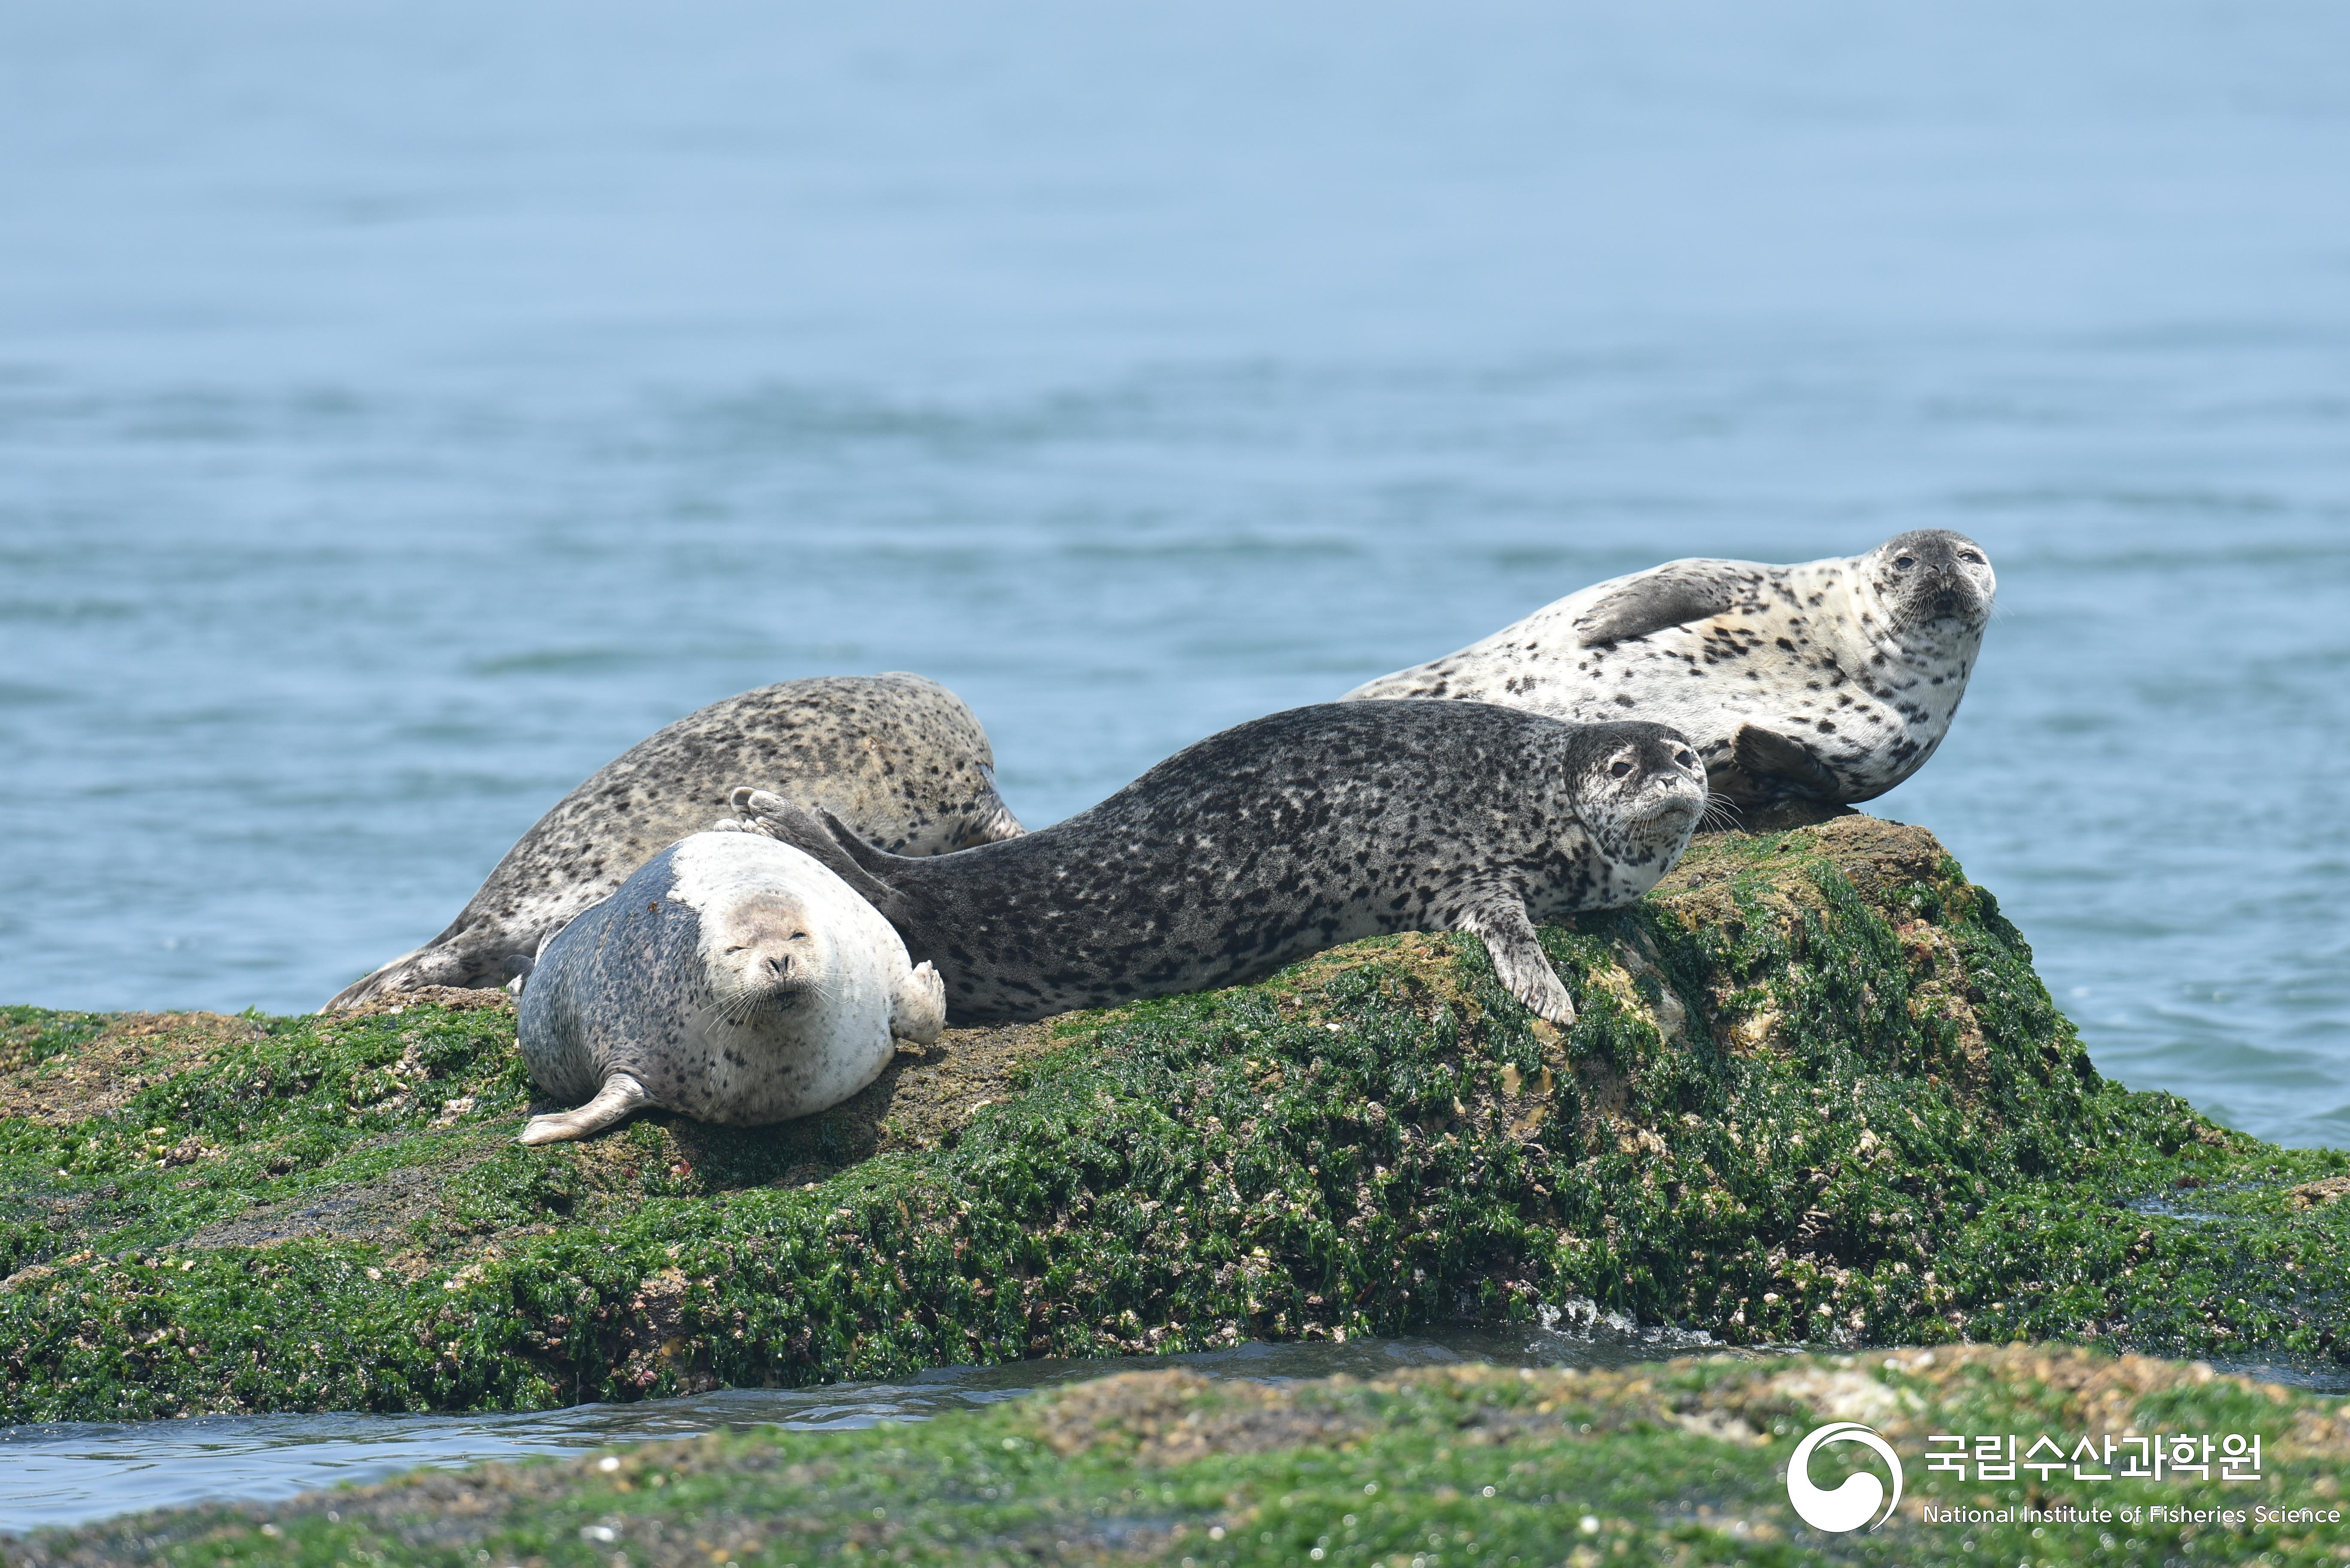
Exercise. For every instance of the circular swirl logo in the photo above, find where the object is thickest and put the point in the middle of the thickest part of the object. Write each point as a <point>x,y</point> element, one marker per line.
<point>1849,1505</point>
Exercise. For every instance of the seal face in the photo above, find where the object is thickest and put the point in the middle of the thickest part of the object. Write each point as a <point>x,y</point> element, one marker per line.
<point>1284,836</point>
<point>897,756</point>
<point>1829,680</point>
<point>732,978</point>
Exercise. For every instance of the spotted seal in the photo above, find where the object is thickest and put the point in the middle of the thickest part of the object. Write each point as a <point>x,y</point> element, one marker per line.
<point>1829,680</point>
<point>732,978</point>
<point>898,756</point>
<point>1284,836</point>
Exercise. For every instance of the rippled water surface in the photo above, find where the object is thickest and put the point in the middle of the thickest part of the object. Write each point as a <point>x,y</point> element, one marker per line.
<point>405,408</point>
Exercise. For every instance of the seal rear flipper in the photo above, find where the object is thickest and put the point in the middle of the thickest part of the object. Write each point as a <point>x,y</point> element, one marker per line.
<point>438,962</point>
<point>918,1011</point>
<point>1766,755</point>
<point>991,821</point>
<point>1519,961</point>
<point>368,984</point>
<point>876,861</point>
<point>820,834</point>
<point>621,1097</point>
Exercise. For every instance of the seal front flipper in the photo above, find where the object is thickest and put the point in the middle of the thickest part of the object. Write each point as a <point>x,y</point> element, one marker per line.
<point>1674,594</point>
<point>918,1011</point>
<point>1519,961</point>
<point>1766,755</point>
<point>622,1095</point>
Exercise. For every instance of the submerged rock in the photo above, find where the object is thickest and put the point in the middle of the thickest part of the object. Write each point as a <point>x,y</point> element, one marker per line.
<point>1816,1094</point>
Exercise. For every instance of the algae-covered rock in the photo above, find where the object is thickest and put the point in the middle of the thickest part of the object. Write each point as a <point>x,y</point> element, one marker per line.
<point>1815,1092</point>
<point>1681,1463</point>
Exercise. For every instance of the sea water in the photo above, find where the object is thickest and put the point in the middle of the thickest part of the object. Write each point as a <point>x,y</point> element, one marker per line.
<point>405,407</point>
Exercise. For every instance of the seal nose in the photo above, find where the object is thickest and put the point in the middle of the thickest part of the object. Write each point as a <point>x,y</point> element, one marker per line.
<point>780,966</point>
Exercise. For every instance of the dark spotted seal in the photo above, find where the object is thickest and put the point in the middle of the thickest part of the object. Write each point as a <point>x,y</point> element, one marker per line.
<point>1829,680</point>
<point>897,757</point>
<point>1282,837</point>
<point>732,978</point>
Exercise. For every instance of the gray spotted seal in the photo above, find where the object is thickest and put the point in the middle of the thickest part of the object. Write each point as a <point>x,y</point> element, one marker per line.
<point>1829,680</point>
<point>732,978</point>
<point>1284,836</point>
<point>897,756</point>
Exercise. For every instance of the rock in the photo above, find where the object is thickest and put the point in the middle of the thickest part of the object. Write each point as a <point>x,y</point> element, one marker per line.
<point>1815,1092</point>
<point>1675,1462</point>
<point>2315,1194</point>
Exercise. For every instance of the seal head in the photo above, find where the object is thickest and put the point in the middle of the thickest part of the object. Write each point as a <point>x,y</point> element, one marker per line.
<point>1639,792</point>
<point>763,955</point>
<point>1932,582</point>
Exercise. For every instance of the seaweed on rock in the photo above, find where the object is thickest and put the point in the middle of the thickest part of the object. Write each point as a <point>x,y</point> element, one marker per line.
<point>1815,1092</point>
<point>1680,1463</point>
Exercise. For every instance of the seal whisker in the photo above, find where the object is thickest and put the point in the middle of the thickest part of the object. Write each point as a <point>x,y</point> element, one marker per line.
<point>741,1003</point>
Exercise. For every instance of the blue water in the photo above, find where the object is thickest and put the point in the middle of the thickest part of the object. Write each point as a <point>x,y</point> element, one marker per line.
<point>406,407</point>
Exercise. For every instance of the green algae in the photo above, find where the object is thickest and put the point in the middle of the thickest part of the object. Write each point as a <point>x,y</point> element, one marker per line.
<point>1815,1092</point>
<point>1682,1463</point>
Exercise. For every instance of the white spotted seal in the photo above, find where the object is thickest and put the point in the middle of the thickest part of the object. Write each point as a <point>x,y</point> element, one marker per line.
<point>897,756</point>
<point>732,978</point>
<point>1284,836</point>
<point>1829,680</point>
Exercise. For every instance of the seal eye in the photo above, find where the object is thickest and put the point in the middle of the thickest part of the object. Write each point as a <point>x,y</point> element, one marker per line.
<point>1619,769</point>
<point>1904,563</point>
<point>1685,759</point>
<point>1971,557</point>
<point>799,936</point>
